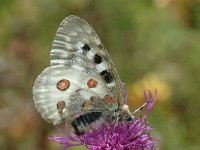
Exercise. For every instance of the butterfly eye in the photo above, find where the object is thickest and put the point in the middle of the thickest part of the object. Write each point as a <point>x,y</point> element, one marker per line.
<point>63,84</point>
<point>97,59</point>
<point>86,47</point>
<point>129,119</point>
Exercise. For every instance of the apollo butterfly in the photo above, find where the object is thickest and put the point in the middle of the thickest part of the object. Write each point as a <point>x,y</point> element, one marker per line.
<point>82,83</point>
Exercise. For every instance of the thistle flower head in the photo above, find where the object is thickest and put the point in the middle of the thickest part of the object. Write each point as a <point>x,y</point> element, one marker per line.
<point>123,135</point>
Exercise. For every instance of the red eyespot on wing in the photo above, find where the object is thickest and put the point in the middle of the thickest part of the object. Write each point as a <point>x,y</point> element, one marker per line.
<point>115,100</point>
<point>63,84</point>
<point>107,99</point>
<point>92,83</point>
<point>60,104</point>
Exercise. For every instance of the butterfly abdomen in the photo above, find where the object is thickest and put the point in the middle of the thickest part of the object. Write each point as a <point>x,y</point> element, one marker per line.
<point>80,123</point>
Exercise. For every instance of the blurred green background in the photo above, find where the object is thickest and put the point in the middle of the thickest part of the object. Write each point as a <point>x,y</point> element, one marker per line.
<point>153,43</point>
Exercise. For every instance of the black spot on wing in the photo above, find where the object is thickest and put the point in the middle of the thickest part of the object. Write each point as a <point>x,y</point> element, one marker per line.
<point>107,76</point>
<point>101,46</point>
<point>97,59</point>
<point>86,47</point>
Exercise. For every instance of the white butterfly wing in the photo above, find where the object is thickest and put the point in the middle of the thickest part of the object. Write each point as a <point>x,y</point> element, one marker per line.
<point>76,44</point>
<point>82,66</point>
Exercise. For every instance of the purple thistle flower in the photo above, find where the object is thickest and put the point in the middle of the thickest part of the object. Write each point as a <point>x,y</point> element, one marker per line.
<point>123,135</point>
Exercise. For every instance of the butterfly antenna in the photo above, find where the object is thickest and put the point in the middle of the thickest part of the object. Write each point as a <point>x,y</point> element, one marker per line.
<point>141,107</point>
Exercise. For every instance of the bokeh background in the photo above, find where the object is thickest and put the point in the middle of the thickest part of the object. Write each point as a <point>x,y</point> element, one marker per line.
<point>153,43</point>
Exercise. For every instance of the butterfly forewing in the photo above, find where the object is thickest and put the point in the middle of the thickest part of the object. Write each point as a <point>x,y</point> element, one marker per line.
<point>76,44</point>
